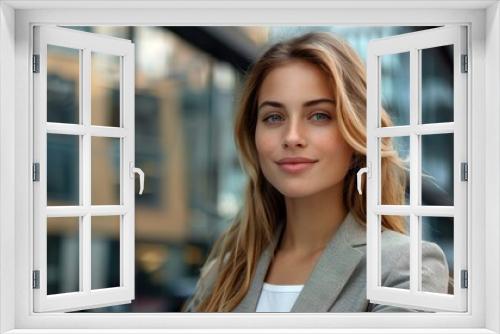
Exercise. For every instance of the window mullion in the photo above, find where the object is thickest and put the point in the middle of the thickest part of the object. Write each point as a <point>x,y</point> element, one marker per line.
<point>77,129</point>
<point>414,168</point>
<point>86,172</point>
<point>419,129</point>
<point>422,210</point>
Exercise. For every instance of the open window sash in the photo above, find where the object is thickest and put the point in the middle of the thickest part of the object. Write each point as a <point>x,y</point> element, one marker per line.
<point>82,131</point>
<point>414,43</point>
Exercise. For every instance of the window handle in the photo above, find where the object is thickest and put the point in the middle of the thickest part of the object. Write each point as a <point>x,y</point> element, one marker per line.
<point>139,171</point>
<point>361,171</point>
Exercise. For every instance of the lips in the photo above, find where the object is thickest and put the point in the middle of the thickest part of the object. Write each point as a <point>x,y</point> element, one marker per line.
<point>295,164</point>
<point>295,160</point>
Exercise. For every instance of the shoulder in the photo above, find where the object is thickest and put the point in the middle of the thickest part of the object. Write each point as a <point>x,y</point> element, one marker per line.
<point>396,263</point>
<point>204,285</point>
<point>395,258</point>
<point>397,244</point>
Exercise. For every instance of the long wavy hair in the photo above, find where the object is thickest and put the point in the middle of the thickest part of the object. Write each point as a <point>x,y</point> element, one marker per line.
<point>237,250</point>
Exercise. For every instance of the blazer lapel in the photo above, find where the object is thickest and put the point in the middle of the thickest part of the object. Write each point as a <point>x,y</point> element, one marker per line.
<point>333,269</point>
<point>329,275</point>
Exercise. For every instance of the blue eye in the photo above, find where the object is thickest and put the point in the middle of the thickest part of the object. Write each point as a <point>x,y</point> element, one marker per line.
<point>326,116</point>
<point>274,117</point>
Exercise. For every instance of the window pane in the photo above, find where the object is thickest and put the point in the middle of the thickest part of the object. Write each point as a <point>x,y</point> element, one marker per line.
<point>105,171</point>
<point>63,84</point>
<point>437,169</point>
<point>402,146</point>
<point>105,89</point>
<point>63,255</point>
<point>105,250</point>
<point>437,84</point>
<point>63,159</point>
<point>395,87</point>
<point>438,230</point>
<point>387,243</point>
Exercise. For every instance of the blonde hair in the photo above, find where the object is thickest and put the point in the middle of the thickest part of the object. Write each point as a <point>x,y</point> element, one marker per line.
<point>236,252</point>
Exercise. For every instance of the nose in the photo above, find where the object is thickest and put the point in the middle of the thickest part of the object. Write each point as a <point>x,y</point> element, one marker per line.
<point>294,134</point>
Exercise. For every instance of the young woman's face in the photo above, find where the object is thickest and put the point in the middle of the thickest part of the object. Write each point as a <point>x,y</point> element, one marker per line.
<point>296,119</point>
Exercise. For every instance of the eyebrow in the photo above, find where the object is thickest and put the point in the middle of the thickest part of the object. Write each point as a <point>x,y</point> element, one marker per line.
<point>305,104</point>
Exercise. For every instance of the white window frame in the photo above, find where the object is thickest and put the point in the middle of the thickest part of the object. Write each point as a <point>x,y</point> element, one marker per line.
<point>16,135</point>
<point>85,44</point>
<point>412,43</point>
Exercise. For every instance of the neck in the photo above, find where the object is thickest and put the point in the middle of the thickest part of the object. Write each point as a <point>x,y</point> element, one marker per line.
<point>312,221</point>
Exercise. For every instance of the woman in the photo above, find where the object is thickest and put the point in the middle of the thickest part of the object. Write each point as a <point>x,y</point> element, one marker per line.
<point>299,242</point>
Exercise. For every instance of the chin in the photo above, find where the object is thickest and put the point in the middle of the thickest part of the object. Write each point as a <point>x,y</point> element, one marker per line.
<point>295,192</point>
<point>304,188</point>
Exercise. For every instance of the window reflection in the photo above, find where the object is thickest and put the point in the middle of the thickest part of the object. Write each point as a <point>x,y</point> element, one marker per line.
<point>63,66</point>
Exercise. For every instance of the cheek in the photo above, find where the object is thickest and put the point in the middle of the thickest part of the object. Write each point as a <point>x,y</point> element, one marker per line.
<point>339,151</point>
<point>264,143</point>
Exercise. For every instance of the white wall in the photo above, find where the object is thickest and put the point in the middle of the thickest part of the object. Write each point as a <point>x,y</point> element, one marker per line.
<point>7,173</point>
<point>492,127</point>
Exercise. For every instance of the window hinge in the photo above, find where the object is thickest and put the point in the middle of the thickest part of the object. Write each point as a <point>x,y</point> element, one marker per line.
<point>464,171</point>
<point>36,279</point>
<point>464,279</point>
<point>36,171</point>
<point>465,66</point>
<point>36,63</point>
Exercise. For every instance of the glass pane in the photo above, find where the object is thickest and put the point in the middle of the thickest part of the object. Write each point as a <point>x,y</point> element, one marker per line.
<point>387,246</point>
<point>63,84</point>
<point>402,146</point>
<point>105,171</point>
<point>438,230</point>
<point>395,87</point>
<point>63,165</point>
<point>437,84</point>
<point>105,89</point>
<point>105,250</point>
<point>63,255</point>
<point>437,169</point>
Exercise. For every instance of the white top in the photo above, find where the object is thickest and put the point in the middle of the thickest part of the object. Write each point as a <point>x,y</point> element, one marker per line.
<point>277,298</point>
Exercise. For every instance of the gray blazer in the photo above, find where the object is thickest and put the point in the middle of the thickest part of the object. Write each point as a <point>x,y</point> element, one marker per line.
<point>337,282</point>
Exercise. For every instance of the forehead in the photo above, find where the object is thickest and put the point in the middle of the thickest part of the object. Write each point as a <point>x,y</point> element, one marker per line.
<point>296,80</point>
